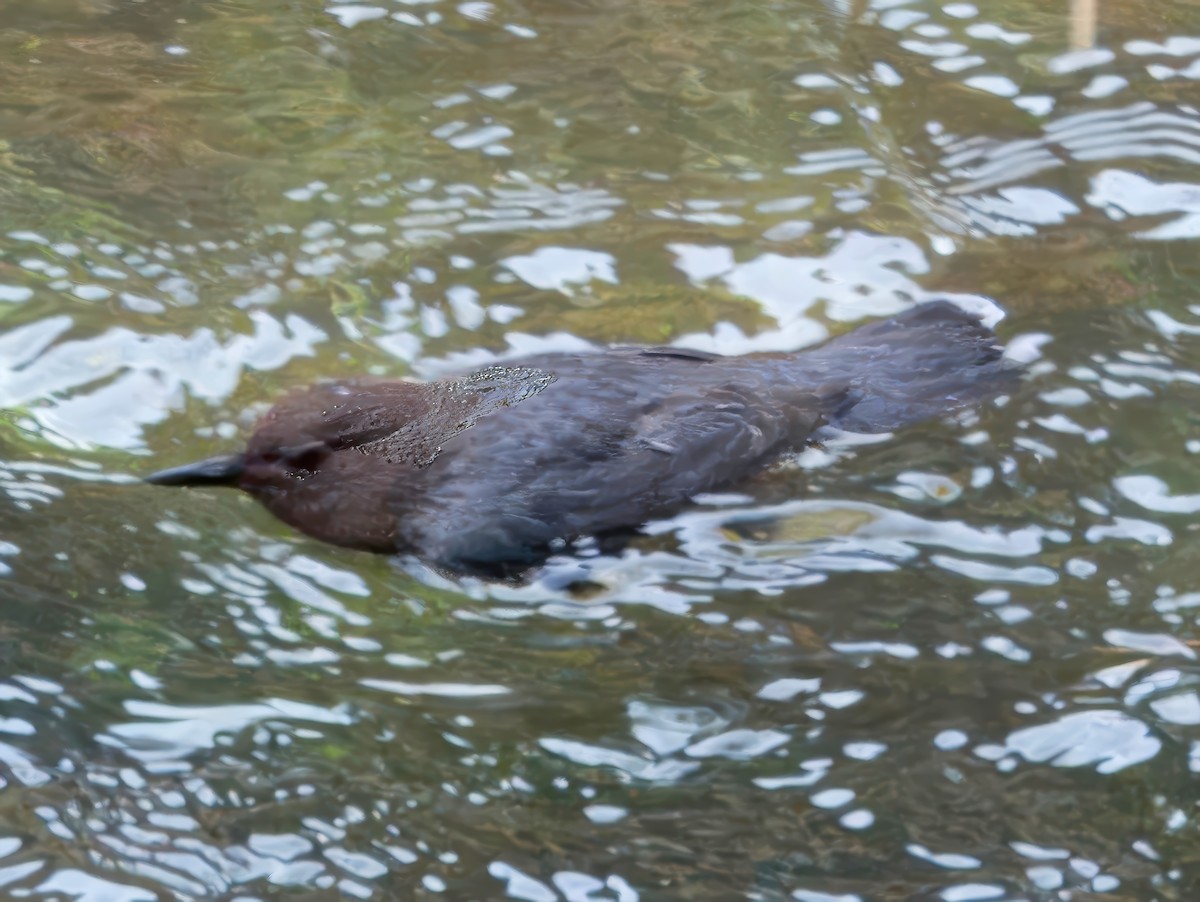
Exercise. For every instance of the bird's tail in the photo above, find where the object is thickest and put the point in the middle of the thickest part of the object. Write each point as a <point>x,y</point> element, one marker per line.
<point>923,363</point>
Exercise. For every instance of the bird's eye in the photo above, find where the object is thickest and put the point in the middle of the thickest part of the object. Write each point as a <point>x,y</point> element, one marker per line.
<point>270,457</point>
<point>305,457</point>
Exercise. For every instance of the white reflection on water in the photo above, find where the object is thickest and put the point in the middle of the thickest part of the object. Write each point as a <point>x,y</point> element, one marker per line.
<point>1151,493</point>
<point>107,387</point>
<point>444,690</point>
<point>1151,643</point>
<point>1108,740</point>
<point>834,537</point>
<point>636,767</point>
<point>84,887</point>
<point>868,528</point>
<point>559,268</point>
<point>862,275</point>
<point>172,732</point>
<point>666,729</point>
<point>519,885</point>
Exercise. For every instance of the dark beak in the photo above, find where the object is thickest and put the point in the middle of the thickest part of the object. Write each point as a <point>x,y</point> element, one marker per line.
<point>225,470</point>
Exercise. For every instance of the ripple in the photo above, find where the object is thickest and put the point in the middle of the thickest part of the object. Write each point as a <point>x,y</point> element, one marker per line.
<point>521,886</point>
<point>1152,494</point>
<point>86,887</point>
<point>1108,740</point>
<point>738,745</point>
<point>351,14</point>
<point>666,729</point>
<point>175,732</point>
<point>444,690</point>
<point>587,755</point>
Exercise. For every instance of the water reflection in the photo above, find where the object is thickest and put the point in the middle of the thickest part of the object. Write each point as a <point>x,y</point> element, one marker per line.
<point>958,663</point>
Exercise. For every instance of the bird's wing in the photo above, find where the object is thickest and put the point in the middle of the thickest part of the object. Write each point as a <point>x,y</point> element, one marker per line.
<point>517,483</point>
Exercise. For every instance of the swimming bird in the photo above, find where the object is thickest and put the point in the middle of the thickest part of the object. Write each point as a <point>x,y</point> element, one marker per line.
<point>492,471</point>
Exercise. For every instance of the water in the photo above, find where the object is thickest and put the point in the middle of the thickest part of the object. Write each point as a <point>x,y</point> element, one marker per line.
<point>959,664</point>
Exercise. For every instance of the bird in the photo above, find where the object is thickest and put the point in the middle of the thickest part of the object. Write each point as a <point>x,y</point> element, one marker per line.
<point>493,471</point>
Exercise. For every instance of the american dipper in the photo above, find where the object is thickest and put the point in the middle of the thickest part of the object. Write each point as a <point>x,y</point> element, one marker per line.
<point>492,471</point>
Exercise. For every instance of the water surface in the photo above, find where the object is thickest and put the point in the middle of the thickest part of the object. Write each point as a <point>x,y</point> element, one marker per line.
<point>958,665</point>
